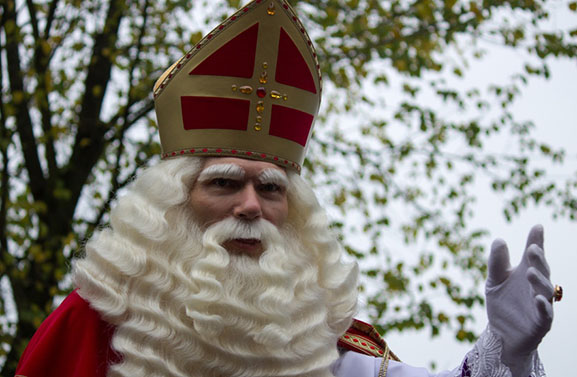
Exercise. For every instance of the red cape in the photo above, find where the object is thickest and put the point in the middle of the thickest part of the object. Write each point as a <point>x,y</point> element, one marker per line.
<point>74,341</point>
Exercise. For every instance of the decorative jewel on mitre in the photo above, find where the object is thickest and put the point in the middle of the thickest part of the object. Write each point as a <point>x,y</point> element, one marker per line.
<point>251,88</point>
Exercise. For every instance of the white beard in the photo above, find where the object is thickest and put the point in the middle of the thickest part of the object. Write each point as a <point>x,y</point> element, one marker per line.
<point>264,317</point>
<point>183,306</point>
<point>205,312</point>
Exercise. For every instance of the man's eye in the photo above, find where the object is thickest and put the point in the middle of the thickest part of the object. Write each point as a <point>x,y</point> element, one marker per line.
<point>270,187</point>
<point>222,182</point>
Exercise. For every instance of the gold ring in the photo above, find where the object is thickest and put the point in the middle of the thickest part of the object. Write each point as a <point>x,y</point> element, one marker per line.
<point>557,293</point>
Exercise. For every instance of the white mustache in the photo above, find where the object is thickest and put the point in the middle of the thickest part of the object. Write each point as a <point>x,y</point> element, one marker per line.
<point>232,228</point>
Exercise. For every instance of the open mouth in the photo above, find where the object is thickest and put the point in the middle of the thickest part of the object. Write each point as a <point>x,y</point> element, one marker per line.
<point>247,241</point>
<point>250,246</point>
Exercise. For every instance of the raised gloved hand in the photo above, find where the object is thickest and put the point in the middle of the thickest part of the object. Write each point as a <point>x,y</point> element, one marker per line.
<point>518,301</point>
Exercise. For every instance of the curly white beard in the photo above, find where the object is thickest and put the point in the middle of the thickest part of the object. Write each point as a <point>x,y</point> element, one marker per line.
<point>184,306</point>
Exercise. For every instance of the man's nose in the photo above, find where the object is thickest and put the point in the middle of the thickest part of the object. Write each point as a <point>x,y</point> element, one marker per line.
<point>249,205</point>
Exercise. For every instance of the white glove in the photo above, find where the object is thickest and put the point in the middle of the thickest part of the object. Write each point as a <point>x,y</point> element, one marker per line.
<point>518,301</point>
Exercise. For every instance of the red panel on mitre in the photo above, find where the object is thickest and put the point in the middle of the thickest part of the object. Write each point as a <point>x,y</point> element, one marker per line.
<point>235,58</point>
<point>291,67</point>
<point>290,124</point>
<point>214,113</point>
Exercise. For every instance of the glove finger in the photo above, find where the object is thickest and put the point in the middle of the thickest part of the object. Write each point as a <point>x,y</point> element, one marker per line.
<point>537,259</point>
<point>539,282</point>
<point>499,264</point>
<point>544,313</point>
<point>535,236</point>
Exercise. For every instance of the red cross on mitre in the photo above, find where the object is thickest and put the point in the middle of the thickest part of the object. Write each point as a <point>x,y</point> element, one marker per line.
<point>250,88</point>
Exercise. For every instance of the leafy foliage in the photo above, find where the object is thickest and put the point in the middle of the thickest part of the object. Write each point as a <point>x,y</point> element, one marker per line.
<point>407,139</point>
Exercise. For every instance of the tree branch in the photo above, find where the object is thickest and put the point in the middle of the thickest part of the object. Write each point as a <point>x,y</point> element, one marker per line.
<point>41,61</point>
<point>4,188</point>
<point>125,112</point>
<point>88,146</point>
<point>147,105</point>
<point>127,122</point>
<point>33,19</point>
<point>112,193</point>
<point>20,100</point>
<point>50,18</point>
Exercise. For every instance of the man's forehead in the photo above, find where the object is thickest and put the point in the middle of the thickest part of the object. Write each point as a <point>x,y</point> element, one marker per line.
<point>243,164</point>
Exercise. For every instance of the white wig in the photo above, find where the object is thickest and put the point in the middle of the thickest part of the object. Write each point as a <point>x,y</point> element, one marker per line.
<point>160,280</point>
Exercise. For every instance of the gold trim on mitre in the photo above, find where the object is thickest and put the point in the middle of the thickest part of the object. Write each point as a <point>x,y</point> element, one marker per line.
<point>250,88</point>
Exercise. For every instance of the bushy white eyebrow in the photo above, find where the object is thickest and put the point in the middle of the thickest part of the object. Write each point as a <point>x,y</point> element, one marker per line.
<point>273,176</point>
<point>231,171</point>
